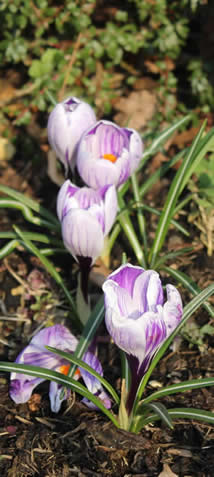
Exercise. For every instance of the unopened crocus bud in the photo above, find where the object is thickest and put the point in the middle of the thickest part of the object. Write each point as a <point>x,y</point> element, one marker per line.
<point>86,216</point>
<point>108,154</point>
<point>66,124</point>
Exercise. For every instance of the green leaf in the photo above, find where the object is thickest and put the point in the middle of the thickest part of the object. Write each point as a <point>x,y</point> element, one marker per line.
<point>161,412</point>
<point>94,320</point>
<point>32,204</point>
<point>189,284</point>
<point>172,197</point>
<point>160,172</point>
<point>72,359</point>
<point>189,309</point>
<point>185,413</point>
<point>13,204</point>
<point>163,136</point>
<point>49,266</point>
<point>177,388</point>
<point>59,378</point>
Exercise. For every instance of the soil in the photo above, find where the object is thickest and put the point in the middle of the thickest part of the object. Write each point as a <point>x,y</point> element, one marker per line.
<point>79,442</point>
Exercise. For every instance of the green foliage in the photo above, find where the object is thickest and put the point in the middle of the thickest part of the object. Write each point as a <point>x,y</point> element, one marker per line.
<point>75,48</point>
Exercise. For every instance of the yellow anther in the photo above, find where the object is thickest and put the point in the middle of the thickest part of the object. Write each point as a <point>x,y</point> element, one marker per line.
<point>110,157</point>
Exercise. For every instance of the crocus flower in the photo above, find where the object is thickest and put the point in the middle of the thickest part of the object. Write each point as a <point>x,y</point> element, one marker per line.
<point>57,336</point>
<point>138,318</point>
<point>66,124</point>
<point>86,217</point>
<point>108,154</point>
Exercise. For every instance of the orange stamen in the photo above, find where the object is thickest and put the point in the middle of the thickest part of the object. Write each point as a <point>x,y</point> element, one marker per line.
<point>65,368</point>
<point>110,157</point>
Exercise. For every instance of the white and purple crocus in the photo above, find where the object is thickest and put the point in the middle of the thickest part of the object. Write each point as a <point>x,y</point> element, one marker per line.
<point>66,124</point>
<point>57,336</point>
<point>138,318</point>
<point>86,217</point>
<point>108,154</point>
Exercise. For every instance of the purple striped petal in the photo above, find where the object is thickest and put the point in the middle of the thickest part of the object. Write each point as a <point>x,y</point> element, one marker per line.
<point>66,124</point>
<point>22,385</point>
<point>107,139</point>
<point>66,199</point>
<point>136,318</point>
<point>125,276</point>
<point>57,394</point>
<point>82,234</point>
<point>148,292</point>
<point>92,383</point>
<point>172,309</point>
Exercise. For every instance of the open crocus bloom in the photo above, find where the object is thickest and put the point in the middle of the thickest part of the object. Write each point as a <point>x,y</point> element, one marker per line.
<point>108,154</point>
<point>57,336</point>
<point>66,124</point>
<point>137,317</point>
<point>86,217</point>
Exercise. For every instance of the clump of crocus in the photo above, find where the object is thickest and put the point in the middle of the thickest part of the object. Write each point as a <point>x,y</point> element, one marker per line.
<point>66,124</point>
<point>57,336</point>
<point>138,318</point>
<point>108,154</point>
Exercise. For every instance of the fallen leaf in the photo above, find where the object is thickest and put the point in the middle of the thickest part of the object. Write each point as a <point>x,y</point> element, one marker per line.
<point>166,472</point>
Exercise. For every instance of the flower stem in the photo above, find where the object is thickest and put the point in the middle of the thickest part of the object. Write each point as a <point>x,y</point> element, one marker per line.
<point>126,224</point>
<point>140,216</point>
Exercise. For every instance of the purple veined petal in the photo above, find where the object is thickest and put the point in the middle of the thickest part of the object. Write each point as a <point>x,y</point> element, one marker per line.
<point>121,299</point>
<point>87,197</point>
<point>57,394</point>
<point>172,309</point>
<point>110,208</point>
<point>148,292</point>
<point>66,124</point>
<point>22,386</point>
<point>57,336</point>
<point>124,167</point>
<point>96,172</point>
<point>97,211</point>
<point>155,331</point>
<point>92,383</point>
<point>125,276</point>
<point>82,234</point>
<point>106,138</point>
<point>136,149</point>
<point>64,198</point>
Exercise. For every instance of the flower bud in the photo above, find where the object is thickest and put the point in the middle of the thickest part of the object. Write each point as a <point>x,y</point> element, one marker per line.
<point>66,124</point>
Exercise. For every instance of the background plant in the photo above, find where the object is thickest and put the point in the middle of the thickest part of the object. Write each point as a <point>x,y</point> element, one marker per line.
<point>87,47</point>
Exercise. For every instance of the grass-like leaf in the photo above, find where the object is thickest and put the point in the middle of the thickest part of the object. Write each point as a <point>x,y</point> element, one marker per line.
<point>94,320</point>
<point>27,213</point>
<point>81,364</point>
<point>183,413</point>
<point>176,188</point>
<point>189,284</point>
<point>178,388</point>
<point>159,140</point>
<point>161,412</point>
<point>59,378</point>
<point>189,309</point>
<point>32,204</point>
<point>49,266</point>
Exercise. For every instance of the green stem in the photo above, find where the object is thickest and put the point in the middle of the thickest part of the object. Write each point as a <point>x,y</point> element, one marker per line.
<point>128,229</point>
<point>140,215</point>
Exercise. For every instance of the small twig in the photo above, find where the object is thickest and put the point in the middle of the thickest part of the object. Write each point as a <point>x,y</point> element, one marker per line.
<point>69,67</point>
